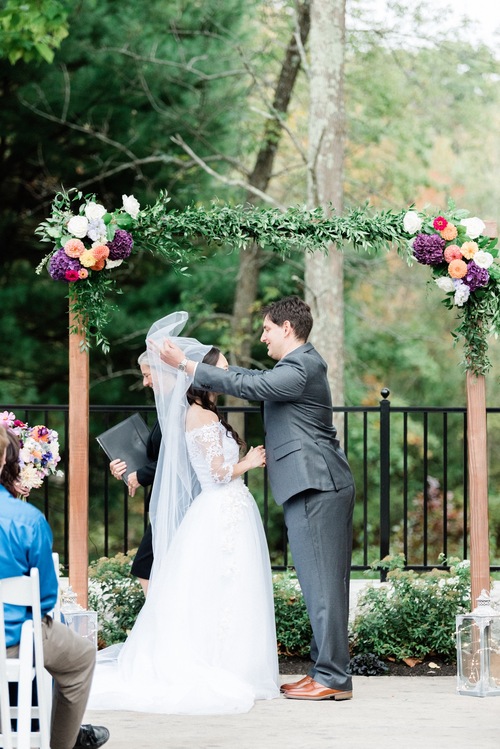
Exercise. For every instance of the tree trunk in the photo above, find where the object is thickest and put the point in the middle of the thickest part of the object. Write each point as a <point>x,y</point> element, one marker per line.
<point>324,273</point>
<point>247,284</point>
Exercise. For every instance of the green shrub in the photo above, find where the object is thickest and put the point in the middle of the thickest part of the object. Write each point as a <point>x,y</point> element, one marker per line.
<point>412,614</point>
<point>116,596</point>
<point>293,630</point>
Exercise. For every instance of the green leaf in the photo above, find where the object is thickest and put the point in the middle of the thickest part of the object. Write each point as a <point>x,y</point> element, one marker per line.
<point>44,51</point>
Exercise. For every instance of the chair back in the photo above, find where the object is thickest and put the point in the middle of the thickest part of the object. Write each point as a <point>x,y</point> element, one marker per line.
<point>56,612</point>
<point>23,591</point>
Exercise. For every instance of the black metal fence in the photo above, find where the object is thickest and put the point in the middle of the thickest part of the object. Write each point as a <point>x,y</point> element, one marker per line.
<point>409,464</point>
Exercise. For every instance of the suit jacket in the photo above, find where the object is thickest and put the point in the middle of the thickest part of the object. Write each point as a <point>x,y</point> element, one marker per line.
<point>302,450</point>
<point>146,474</point>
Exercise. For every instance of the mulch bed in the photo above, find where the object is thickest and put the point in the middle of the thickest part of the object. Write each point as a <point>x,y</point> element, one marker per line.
<point>429,667</point>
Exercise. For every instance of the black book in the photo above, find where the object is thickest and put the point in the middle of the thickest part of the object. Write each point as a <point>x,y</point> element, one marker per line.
<point>127,441</point>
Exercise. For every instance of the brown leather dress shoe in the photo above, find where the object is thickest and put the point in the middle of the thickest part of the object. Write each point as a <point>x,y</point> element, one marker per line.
<point>294,684</point>
<point>313,690</point>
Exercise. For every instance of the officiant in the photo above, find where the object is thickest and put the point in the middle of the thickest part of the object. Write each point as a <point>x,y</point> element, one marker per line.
<point>144,476</point>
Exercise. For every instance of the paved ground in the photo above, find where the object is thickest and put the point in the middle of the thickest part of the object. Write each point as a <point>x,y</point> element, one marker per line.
<point>391,712</point>
<point>388,712</point>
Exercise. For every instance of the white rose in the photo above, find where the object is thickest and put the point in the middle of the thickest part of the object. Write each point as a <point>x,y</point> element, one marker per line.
<point>412,222</point>
<point>131,205</point>
<point>446,284</point>
<point>474,226</point>
<point>113,263</point>
<point>483,259</point>
<point>77,226</point>
<point>94,211</point>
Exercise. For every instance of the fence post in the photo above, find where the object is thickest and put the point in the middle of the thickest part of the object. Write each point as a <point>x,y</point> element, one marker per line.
<point>385,477</point>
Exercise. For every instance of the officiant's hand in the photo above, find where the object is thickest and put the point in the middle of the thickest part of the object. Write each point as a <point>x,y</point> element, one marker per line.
<point>117,468</point>
<point>132,483</point>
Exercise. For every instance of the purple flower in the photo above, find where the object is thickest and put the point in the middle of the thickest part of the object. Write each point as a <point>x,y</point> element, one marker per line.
<point>121,245</point>
<point>476,276</point>
<point>428,249</point>
<point>60,262</point>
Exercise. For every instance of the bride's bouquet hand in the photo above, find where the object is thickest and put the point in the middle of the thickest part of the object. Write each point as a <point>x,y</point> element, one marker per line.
<point>256,457</point>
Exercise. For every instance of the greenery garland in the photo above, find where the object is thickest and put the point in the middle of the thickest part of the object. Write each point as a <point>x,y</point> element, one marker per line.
<point>91,242</point>
<point>295,229</point>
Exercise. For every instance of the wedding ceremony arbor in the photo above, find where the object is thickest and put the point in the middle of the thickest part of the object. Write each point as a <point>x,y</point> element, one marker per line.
<point>282,232</point>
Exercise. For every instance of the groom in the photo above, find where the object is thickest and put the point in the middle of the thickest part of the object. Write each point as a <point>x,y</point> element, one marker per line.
<point>309,476</point>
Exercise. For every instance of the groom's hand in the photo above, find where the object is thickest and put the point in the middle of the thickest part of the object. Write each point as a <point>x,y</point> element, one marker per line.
<point>171,354</point>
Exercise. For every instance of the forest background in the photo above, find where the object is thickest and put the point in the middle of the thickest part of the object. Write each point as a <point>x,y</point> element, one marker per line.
<point>134,98</point>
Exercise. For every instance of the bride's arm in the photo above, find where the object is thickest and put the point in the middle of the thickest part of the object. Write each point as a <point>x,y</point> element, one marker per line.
<point>209,441</point>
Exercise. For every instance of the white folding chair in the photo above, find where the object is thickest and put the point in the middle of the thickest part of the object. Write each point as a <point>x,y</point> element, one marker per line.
<point>56,612</point>
<point>23,591</point>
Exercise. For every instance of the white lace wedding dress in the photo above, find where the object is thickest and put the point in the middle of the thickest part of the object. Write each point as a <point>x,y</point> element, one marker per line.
<point>205,641</point>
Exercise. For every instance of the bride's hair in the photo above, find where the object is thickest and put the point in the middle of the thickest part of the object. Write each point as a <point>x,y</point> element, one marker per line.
<point>203,397</point>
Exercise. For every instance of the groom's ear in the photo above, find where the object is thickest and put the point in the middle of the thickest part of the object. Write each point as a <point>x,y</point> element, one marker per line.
<point>288,328</point>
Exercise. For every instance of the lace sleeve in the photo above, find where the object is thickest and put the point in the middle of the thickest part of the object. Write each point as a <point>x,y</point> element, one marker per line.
<point>208,442</point>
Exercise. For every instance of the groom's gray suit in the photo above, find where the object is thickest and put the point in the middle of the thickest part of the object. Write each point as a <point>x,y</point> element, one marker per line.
<point>311,478</point>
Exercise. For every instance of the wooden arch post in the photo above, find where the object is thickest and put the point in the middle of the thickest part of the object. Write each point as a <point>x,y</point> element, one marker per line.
<point>477,450</point>
<point>78,461</point>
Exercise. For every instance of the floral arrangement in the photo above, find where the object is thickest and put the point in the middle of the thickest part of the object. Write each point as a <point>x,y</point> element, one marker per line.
<point>89,243</point>
<point>463,265</point>
<point>39,450</point>
<point>92,241</point>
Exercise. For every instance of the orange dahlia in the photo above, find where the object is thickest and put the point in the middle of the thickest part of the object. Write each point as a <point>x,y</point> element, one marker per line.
<point>100,251</point>
<point>449,232</point>
<point>457,269</point>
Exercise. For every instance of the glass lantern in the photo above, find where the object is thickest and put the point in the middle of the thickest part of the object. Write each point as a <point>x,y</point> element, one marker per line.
<point>478,650</point>
<point>81,621</point>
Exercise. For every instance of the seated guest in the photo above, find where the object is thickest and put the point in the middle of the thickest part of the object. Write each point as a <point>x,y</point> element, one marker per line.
<point>26,542</point>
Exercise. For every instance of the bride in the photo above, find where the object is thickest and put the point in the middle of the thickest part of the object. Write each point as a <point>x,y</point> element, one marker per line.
<point>205,641</point>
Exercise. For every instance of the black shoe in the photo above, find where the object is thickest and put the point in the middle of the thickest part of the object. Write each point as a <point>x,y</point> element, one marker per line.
<point>91,736</point>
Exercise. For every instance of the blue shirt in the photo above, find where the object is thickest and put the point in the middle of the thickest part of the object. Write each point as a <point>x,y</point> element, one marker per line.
<point>25,542</point>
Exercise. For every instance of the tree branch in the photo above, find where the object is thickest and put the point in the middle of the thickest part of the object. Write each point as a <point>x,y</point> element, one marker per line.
<point>226,180</point>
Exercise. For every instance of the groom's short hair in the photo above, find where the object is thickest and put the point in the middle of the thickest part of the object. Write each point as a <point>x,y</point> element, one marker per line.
<point>293,309</point>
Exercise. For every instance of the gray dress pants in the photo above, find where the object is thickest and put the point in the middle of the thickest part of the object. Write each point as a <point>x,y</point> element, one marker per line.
<point>319,526</point>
